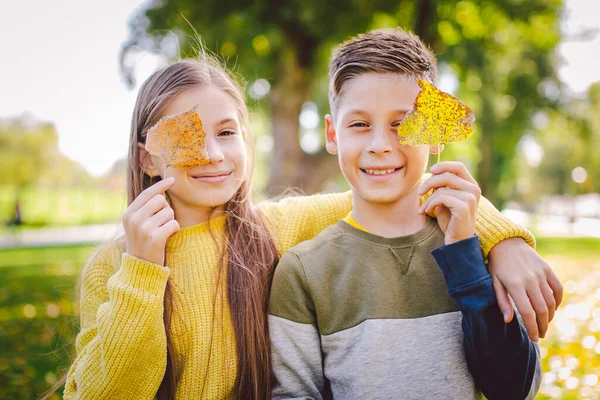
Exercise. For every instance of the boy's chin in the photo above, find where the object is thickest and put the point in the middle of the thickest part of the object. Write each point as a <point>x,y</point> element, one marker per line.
<point>381,197</point>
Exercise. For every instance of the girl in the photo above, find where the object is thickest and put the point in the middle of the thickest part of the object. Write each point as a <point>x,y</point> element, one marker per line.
<point>178,308</point>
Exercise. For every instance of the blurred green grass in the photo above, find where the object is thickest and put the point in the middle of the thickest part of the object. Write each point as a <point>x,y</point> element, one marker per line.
<point>55,206</point>
<point>38,319</point>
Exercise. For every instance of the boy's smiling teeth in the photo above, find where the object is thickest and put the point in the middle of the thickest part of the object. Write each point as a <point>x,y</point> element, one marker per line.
<point>379,171</point>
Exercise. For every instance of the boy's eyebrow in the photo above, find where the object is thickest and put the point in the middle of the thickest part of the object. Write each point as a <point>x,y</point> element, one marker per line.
<point>364,113</point>
<point>359,112</point>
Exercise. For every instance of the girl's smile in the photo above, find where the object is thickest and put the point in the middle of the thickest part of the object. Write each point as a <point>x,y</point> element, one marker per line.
<point>212,177</point>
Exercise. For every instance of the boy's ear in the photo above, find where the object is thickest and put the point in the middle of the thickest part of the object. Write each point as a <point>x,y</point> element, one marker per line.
<point>146,162</point>
<point>436,149</point>
<point>330,135</point>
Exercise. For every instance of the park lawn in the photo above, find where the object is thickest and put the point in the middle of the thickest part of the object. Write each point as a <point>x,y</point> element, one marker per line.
<point>55,206</point>
<point>38,321</point>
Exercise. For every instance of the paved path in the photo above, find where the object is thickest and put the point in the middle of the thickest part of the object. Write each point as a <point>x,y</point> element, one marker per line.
<point>60,236</point>
<point>92,234</point>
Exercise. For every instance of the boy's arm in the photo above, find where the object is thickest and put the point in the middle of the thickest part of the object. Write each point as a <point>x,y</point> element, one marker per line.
<point>515,267</point>
<point>296,357</point>
<point>504,363</point>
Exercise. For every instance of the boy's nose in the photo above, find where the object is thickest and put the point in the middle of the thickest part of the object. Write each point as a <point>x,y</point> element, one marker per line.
<point>381,142</point>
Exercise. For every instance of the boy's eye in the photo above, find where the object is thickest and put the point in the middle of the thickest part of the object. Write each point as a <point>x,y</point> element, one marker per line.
<point>358,125</point>
<point>226,133</point>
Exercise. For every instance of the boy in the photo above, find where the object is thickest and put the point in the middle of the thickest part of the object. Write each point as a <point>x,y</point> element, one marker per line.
<point>363,311</point>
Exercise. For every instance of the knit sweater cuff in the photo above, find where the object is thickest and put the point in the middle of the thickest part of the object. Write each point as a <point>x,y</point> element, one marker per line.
<point>492,227</point>
<point>143,275</point>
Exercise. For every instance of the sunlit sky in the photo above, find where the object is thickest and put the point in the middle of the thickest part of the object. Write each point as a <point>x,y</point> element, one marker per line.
<point>59,63</point>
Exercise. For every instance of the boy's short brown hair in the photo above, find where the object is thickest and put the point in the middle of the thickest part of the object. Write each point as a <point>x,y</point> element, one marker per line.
<point>380,51</point>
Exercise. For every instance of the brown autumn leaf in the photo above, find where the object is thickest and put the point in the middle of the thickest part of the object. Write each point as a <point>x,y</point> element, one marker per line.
<point>437,118</point>
<point>179,140</point>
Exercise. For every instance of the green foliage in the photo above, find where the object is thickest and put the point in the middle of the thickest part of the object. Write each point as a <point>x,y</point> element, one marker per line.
<point>570,140</point>
<point>568,137</point>
<point>500,51</point>
<point>29,154</point>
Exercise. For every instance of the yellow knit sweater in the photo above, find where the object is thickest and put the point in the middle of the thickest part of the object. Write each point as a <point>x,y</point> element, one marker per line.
<point>121,348</point>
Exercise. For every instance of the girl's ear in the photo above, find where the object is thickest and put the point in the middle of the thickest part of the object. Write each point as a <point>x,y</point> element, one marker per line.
<point>146,162</point>
<point>436,149</point>
<point>330,135</point>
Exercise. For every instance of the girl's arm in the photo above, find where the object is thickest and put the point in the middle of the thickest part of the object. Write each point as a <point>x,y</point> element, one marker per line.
<point>121,348</point>
<point>299,218</point>
<point>295,219</point>
<point>504,363</point>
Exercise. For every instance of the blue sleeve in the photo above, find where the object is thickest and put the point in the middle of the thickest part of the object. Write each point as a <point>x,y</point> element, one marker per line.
<point>500,356</point>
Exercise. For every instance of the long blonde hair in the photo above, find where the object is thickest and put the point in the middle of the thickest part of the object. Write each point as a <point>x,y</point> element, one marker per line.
<point>249,249</point>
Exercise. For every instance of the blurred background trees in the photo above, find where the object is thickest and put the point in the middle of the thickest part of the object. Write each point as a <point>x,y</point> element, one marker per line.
<point>29,155</point>
<point>496,55</point>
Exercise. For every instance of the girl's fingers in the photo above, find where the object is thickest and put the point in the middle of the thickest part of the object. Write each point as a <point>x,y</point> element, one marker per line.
<point>449,180</point>
<point>158,188</point>
<point>524,307</point>
<point>555,285</point>
<point>167,230</point>
<point>548,299</point>
<point>540,308</point>
<point>503,300</point>
<point>455,167</point>
<point>162,217</point>
<point>153,206</point>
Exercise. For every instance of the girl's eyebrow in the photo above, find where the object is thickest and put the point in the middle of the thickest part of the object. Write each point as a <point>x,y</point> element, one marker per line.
<point>225,121</point>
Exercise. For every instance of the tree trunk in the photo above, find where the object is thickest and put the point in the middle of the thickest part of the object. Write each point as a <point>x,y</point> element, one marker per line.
<point>486,176</point>
<point>485,172</point>
<point>290,165</point>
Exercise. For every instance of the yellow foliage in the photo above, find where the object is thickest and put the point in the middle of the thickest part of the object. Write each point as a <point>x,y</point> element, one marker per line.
<point>437,118</point>
<point>179,141</point>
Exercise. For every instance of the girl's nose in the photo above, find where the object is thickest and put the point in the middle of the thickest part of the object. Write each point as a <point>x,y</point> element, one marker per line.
<point>215,153</point>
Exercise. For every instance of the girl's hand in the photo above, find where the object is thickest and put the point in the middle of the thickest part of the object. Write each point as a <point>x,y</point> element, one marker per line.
<point>149,221</point>
<point>518,270</point>
<point>456,197</point>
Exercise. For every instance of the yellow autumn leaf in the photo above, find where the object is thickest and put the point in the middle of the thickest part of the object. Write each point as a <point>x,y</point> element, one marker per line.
<point>437,118</point>
<point>179,141</point>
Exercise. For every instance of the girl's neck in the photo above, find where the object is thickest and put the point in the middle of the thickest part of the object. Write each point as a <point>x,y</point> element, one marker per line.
<point>189,216</point>
<point>389,220</point>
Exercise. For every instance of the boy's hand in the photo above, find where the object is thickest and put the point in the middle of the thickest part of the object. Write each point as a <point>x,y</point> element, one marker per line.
<point>518,270</point>
<point>149,221</point>
<point>456,196</point>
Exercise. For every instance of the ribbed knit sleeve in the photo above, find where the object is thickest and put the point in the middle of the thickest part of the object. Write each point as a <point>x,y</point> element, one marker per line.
<point>492,227</point>
<point>296,219</point>
<point>121,348</point>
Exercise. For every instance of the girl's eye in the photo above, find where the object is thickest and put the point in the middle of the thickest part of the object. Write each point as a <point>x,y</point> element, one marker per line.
<point>358,125</point>
<point>226,133</point>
